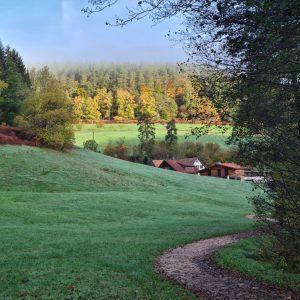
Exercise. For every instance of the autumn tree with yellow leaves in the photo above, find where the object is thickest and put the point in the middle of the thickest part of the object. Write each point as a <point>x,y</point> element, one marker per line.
<point>126,105</point>
<point>147,103</point>
<point>104,99</point>
<point>85,107</point>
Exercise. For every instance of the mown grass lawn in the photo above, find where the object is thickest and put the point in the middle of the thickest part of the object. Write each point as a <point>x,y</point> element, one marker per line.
<point>82,225</point>
<point>129,132</point>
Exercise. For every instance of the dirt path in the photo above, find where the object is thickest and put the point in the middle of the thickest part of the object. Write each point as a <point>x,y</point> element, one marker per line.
<point>193,267</point>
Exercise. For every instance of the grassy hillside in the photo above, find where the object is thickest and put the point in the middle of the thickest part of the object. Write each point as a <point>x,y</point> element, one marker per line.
<point>81,225</point>
<point>130,133</point>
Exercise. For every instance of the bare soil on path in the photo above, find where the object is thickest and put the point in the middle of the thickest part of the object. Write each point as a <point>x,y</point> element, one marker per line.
<point>193,266</point>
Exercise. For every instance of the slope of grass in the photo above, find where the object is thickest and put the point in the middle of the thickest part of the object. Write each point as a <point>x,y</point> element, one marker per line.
<point>81,225</point>
<point>129,131</point>
<point>243,257</point>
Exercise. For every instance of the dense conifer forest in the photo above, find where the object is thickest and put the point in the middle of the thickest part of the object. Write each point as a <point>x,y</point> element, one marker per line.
<point>120,91</point>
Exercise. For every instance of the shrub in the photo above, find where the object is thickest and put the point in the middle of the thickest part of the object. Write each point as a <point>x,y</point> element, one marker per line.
<point>91,145</point>
<point>118,149</point>
<point>47,112</point>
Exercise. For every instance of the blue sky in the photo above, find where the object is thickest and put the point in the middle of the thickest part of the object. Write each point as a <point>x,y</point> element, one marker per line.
<point>55,31</point>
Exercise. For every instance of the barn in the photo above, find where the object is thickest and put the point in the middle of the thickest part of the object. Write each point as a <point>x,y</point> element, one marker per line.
<point>223,170</point>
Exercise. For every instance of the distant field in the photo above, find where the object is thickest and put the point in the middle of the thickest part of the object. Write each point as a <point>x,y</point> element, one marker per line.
<point>82,225</point>
<point>130,133</point>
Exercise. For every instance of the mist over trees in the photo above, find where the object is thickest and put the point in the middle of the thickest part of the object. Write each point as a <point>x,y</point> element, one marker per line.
<point>121,92</point>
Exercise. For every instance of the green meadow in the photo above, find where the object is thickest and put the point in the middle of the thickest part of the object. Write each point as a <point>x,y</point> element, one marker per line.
<point>81,225</point>
<point>105,132</point>
<point>246,257</point>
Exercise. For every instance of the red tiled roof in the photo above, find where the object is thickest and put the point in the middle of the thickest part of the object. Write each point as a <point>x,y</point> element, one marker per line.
<point>226,165</point>
<point>157,162</point>
<point>187,162</point>
<point>195,171</point>
<point>231,165</point>
<point>175,166</point>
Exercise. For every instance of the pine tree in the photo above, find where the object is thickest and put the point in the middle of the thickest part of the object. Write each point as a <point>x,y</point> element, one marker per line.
<point>21,69</point>
<point>14,74</point>
<point>121,79</point>
<point>146,129</point>
<point>171,137</point>
<point>2,62</point>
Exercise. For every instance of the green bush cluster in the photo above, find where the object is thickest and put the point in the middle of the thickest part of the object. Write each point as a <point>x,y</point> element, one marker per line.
<point>117,149</point>
<point>47,112</point>
<point>91,145</point>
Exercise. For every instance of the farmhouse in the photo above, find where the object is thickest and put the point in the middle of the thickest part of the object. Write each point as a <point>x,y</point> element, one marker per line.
<point>187,165</point>
<point>233,171</point>
<point>191,162</point>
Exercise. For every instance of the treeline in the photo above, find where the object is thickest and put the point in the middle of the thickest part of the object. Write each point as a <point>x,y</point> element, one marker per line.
<point>121,92</point>
<point>46,105</point>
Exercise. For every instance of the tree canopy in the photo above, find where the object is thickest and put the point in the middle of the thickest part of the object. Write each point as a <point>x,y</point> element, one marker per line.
<point>169,92</point>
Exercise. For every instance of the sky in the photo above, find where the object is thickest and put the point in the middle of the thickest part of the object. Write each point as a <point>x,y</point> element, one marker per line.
<point>56,31</point>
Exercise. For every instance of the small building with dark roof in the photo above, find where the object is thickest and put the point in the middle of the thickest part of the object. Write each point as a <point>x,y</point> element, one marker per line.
<point>187,165</point>
<point>223,170</point>
<point>234,171</point>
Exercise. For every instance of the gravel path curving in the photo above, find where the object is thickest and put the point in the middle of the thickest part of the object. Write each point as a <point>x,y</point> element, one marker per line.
<point>193,267</point>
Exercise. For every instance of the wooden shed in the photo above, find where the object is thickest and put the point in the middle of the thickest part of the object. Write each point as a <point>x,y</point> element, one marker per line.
<point>223,170</point>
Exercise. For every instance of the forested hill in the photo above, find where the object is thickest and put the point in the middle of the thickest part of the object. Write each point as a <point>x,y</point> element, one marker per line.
<point>120,91</point>
<point>114,76</point>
